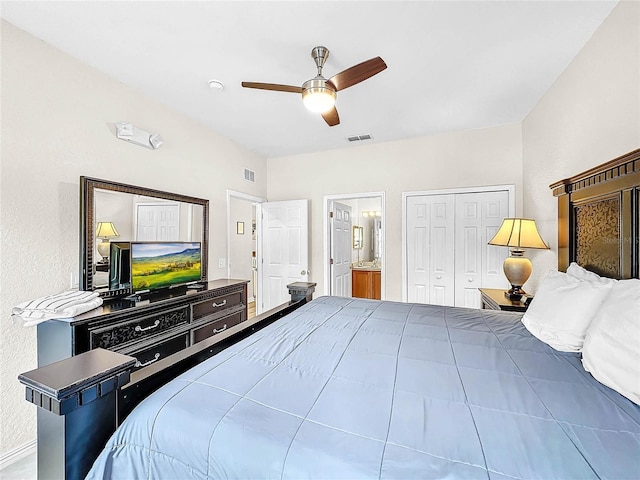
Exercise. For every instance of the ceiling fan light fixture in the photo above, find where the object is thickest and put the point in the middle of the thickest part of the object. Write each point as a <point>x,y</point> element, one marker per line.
<point>317,96</point>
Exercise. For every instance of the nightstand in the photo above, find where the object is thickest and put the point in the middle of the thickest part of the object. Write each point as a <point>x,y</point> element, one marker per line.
<point>494,299</point>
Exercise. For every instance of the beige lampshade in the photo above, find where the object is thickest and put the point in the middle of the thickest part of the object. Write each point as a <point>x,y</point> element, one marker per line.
<point>106,230</point>
<point>518,233</point>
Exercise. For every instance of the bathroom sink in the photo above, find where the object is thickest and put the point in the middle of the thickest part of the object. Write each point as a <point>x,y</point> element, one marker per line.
<point>365,266</point>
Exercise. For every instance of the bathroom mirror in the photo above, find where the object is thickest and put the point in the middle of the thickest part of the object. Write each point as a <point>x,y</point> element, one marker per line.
<point>358,237</point>
<point>377,238</point>
<point>132,213</point>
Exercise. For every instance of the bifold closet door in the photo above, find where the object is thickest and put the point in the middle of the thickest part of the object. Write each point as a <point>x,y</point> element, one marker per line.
<point>430,249</point>
<point>477,264</point>
<point>448,258</point>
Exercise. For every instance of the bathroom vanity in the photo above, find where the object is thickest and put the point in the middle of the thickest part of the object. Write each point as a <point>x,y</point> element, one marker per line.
<point>365,282</point>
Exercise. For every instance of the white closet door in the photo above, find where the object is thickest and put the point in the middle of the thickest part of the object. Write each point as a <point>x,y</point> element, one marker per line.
<point>418,213</point>
<point>430,235</point>
<point>157,222</point>
<point>478,217</point>
<point>442,254</point>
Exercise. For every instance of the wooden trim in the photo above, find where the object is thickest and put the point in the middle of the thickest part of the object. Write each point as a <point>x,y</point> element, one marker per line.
<point>626,164</point>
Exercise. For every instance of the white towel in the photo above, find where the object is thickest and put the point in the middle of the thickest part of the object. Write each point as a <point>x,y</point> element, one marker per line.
<point>61,305</point>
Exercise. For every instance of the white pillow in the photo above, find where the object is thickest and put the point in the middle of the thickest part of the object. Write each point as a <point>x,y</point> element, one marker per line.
<point>612,345</point>
<point>580,273</point>
<point>562,309</point>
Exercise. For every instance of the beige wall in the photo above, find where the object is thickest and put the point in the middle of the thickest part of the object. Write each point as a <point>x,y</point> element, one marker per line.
<point>590,115</point>
<point>491,156</point>
<point>57,124</point>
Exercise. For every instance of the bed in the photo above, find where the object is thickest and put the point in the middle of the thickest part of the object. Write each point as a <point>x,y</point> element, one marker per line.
<point>353,388</point>
<point>346,388</point>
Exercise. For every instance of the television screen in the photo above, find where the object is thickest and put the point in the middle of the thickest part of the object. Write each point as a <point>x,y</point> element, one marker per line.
<point>119,265</point>
<point>158,265</point>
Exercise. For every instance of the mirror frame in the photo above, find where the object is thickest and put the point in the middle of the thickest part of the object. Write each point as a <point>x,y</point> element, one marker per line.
<point>87,216</point>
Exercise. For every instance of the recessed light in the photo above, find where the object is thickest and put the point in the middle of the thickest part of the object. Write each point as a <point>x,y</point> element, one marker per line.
<point>216,85</point>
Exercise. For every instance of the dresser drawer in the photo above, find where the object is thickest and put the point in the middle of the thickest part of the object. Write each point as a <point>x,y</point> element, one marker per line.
<point>127,331</point>
<point>150,355</point>
<point>216,327</point>
<point>216,304</point>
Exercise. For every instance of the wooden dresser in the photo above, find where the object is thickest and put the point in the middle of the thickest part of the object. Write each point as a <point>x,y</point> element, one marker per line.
<point>149,329</point>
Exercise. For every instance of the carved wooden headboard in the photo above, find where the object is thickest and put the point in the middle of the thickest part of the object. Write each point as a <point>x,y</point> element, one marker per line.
<point>599,217</point>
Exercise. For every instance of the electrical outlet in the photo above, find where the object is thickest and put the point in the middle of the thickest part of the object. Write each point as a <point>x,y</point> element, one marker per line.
<point>222,262</point>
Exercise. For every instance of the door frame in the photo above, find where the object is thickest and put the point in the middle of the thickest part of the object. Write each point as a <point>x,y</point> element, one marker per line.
<point>230,227</point>
<point>510,188</point>
<point>326,232</point>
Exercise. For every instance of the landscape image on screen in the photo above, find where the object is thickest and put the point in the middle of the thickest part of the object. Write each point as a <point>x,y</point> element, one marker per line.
<point>157,265</point>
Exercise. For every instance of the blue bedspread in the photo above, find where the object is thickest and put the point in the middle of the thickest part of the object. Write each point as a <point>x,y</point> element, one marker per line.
<point>348,388</point>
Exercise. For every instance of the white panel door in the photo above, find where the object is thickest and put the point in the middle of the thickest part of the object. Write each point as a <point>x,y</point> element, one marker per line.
<point>283,250</point>
<point>157,222</point>
<point>478,217</point>
<point>495,208</point>
<point>442,231</point>
<point>430,234</point>
<point>418,212</point>
<point>340,249</point>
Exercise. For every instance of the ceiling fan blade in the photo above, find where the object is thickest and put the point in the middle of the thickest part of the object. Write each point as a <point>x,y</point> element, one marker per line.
<point>331,117</point>
<point>357,73</point>
<point>272,86</point>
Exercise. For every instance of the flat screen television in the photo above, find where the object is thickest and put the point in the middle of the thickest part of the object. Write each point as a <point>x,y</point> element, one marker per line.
<point>157,265</point>
<point>119,265</point>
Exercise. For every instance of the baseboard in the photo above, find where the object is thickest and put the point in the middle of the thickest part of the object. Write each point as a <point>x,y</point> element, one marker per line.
<point>16,454</point>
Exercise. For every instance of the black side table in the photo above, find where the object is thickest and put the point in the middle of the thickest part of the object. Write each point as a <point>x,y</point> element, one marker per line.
<point>494,299</point>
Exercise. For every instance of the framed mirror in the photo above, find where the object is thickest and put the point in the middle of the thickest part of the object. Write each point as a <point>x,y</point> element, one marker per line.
<point>358,234</point>
<point>114,214</point>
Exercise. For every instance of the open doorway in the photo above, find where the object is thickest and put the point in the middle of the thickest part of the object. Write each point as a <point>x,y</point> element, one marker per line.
<point>366,254</point>
<point>242,242</point>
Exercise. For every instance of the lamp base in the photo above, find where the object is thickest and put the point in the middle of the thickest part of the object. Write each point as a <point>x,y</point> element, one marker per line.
<point>517,268</point>
<point>515,293</point>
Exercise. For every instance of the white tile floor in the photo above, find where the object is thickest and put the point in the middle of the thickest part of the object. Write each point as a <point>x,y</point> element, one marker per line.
<point>24,469</point>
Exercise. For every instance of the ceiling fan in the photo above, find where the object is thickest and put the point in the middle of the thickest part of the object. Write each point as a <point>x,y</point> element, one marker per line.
<point>319,94</point>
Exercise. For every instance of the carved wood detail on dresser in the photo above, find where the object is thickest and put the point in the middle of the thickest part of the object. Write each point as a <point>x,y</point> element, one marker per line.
<point>148,329</point>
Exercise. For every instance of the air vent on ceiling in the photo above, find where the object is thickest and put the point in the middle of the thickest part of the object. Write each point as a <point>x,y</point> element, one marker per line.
<point>249,175</point>
<point>359,138</point>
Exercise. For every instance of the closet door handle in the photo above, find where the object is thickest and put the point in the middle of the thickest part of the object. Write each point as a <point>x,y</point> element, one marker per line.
<point>154,359</point>
<point>151,327</point>
<point>222,304</point>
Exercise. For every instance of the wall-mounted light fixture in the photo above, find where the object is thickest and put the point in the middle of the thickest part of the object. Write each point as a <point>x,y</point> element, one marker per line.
<point>126,131</point>
<point>371,213</point>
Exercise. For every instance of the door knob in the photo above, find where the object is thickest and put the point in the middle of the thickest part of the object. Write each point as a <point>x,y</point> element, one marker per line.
<point>438,277</point>
<point>305,272</point>
<point>469,280</point>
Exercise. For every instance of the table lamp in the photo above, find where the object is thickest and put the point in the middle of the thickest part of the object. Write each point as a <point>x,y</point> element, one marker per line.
<point>518,234</point>
<point>105,231</point>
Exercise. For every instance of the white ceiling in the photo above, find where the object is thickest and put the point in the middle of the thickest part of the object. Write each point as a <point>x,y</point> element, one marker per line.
<point>451,65</point>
